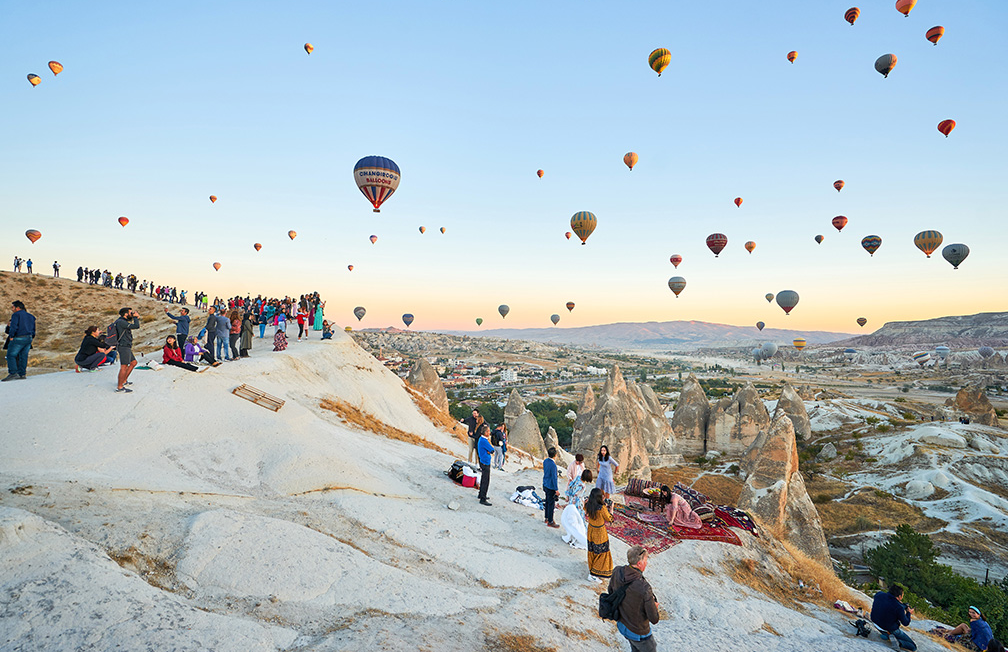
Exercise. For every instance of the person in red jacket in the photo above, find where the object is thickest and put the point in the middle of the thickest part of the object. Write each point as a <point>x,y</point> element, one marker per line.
<point>173,355</point>
<point>302,316</point>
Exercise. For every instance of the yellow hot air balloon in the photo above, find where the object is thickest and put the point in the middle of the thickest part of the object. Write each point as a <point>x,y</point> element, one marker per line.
<point>217,266</point>
<point>630,158</point>
<point>792,55</point>
<point>799,343</point>
<point>348,329</point>
<point>308,47</point>
<point>928,241</point>
<point>659,60</point>
<point>905,6</point>
<point>34,79</point>
<point>583,223</point>
<point>292,234</point>
<point>56,67</point>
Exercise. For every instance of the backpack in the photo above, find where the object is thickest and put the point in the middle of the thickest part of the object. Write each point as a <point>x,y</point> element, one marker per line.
<point>862,627</point>
<point>495,438</point>
<point>111,335</point>
<point>608,603</point>
<point>455,472</point>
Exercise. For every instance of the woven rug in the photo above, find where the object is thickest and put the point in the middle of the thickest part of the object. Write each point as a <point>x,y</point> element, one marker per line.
<point>708,533</point>
<point>633,532</point>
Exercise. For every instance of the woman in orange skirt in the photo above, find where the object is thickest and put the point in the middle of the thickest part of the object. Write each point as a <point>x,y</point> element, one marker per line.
<point>599,558</point>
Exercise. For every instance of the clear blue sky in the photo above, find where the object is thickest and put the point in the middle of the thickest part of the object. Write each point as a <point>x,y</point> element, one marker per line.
<point>161,105</point>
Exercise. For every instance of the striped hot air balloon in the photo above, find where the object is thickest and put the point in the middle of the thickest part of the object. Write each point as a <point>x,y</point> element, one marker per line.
<point>905,6</point>
<point>659,60</point>
<point>946,127</point>
<point>359,312</point>
<point>885,64</point>
<point>716,242</point>
<point>861,321</point>
<point>760,325</point>
<point>583,224</point>
<point>377,178</point>
<point>928,241</point>
<point>677,284</point>
<point>871,243</point>
<point>839,222</point>
<point>769,297</point>
<point>675,259</point>
<point>838,184</point>
<point>792,55</point>
<point>852,14</point>
<point>921,357</point>
<point>935,33</point>
<point>799,343</point>
<point>33,235</point>
<point>570,306</point>
<point>407,319</point>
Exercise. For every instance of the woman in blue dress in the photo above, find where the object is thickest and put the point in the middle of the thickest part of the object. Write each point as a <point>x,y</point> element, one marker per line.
<point>606,468</point>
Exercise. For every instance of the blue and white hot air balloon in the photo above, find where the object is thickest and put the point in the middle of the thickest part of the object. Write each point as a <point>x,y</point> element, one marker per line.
<point>377,177</point>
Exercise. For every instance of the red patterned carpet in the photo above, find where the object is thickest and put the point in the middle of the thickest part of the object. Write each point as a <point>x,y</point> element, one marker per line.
<point>631,531</point>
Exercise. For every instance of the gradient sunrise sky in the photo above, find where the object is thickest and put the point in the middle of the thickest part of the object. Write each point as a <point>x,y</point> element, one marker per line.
<point>161,105</point>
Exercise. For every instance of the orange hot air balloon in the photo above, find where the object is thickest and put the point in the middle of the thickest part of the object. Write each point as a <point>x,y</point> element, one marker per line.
<point>568,235</point>
<point>216,266</point>
<point>57,67</point>
<point>308,47</point>
<point>443,230</point>
<point>374,239</point>
<point>423,229</point>
<point>738,202</point>
<point>946,127</point>
<point>935,33</point>
<point>852,14</point>
<point>750,246</point>
<point>540,173</point>
<point>630,158</point>
<point>34,79</point>
<point>213,199</point>
<point>905,6</point>
<point>570,306</point>
<point>292,234</point>
<point>123,221</point>
<point>861,321</point>
<point>792,55</point>
<point>257,246</point>
<point>838,184</point>
<point>33,235</point>
<point>349,268</point>
<point>839,222</point>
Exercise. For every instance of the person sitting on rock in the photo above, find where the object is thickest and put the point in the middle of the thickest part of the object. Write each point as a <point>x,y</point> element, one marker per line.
<point>326,330</point>
<point>93,351</point>
<point>280,340</point>
<point>888,612</point>
<point>978,631</point>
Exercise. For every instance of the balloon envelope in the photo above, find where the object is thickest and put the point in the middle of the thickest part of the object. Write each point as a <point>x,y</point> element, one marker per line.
<point>659,60</point>
<point>849,354</point>
<point>373,239</point>
<point>839,222</point>
<point>852,14</point>
<point>904,6</point>
<point>787,299</point>
<point>769,349</point>
<point>935,33</point>
<point>568,234</point>
<point>792,55</point>
<point>540,173</point>
<point>213,199</point>
<point>407,319</point>
<point>757,353</point>
<point>257,246</point>
<point>871,243</point>
<point>799,343</point>
<point>34,79</point>
<point>921,357</point>
<point>33,235</point>
<point>750,246</point>
<point>349,268</point>
<point>555,318</point>
<point>769,297</point>
<point>503,309</point>
<point>123,221</point>
<point>570,306</point>
<point>677,284</point>
<point>479,321</point>
<point>630,158</point>
<point>738,202</point>
<point>292,234</point>
<point>359,312</point>
<point>942,351</point>
<point>819,239</point>
<point>985,352</point>
<point>928,241</point>
<point>716,242</point>
<point>57,67</point>
<point>217,266</point>
<point>377,178</point>
<point>423,229</point>
<point>861,321</point>
<point>838,184</point>
<point>946,127</point>
<point>583,223</point>
<point>760,325</point>
<point>675,259</point>
<point>308,47</point>
<point>955,254</point>
<point>443,230</point>
<point>885,64</point>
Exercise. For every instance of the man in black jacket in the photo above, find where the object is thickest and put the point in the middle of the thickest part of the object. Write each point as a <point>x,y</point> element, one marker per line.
<point>639,609</point>
<point>473,422</point>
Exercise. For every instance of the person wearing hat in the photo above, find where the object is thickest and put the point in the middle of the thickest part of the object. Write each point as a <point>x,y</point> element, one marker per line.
<point>980,634</point>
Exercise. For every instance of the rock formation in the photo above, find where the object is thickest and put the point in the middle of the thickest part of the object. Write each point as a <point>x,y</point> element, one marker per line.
<point>974,402</point>
<point>514,409</point>
<point>735,422</point>
<point>774,491</point>
<point>828,452</point>
<point>658,438</point>
<point>689,421</point>
<point>526,435</point>
<point>424,379</point>
<point>550,439</point>
<point>790,403</point>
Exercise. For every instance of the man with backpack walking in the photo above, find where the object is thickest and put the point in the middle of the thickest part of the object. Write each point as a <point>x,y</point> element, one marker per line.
<point>638,609</point>
<point>124,326</point>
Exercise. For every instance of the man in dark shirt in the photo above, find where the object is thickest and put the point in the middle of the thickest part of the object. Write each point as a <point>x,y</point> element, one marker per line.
<point>888,613</point>
<point>127,322</point>
<point>21,332</point>
<point>639,609</point>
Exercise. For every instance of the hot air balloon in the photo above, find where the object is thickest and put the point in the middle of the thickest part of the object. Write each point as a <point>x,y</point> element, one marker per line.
<point>787,299</point>
<point>942,351</point>
<point>349,268</point>
<point>675,259</point>
<point>738,202</point>
<point>308,47</point>
<point>213,199</point>
<point>819,239</point>
<point>57,67</point>
<point>757,354</point>
<point>33,235</point>
<point>292,234</point>
<point>443,230</point>
<point>407,319</point>
<point>839,222</point>
<point>503,309</point>
<point>885,64</point>
<point>798,343</point>
<point>568,234</point>
<point>630,158</point>
<point>955,254</point>
<point>359,312</point>
<point>34,79</point>
<point>750,246</point>
<point>850,354</point>
<point>570,306</point>
<point>479,321</point>
<point>928,241</point>
<point>792,55</point>
<point>677,284</point>
<point>985,352</point>
<point>921,357</point>
<point>540,173</point>
<point>838,184</point>
<point>377,177</point>
<point>904,6</point>
<point>583,223</point>
<point>861,321</point>
<point>659,60</point>
<point>935,33</point>
<point>348,329</point>
<point>373,239</point>
<point>871,243</point>
<point>716,242</point>
<point>769,350</point>
<point>852,14</point>
<point>257,246</point>
<point>217,266</point>
<point>423,229</point>
<point>555,318</point>
<point>123,221</point>
<point>769,297</point>
<point>946,127</point>
<point>760,325</point>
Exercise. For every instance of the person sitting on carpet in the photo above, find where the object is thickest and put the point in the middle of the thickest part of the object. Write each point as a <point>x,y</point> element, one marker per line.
<point>679,513</point>
<point>888,612</point>
<point>980,634</point>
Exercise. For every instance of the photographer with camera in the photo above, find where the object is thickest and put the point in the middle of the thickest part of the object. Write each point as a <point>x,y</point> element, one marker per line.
<point>124,326</point>
<point>888,613</point>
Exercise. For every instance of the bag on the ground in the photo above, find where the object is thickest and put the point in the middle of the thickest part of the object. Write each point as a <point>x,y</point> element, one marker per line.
<point>862,627</point>
<point>455,472</point>
<point>608,603</point>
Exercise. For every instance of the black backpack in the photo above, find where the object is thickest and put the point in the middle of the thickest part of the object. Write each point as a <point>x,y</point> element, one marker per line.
<point>608,603</point>
<point>495,438</point>
<point>862,628</point>
<point>455,472</point>
<point>111,335</point>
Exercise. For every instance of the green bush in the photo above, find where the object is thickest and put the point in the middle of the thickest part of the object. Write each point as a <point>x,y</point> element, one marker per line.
<point>548,413</point>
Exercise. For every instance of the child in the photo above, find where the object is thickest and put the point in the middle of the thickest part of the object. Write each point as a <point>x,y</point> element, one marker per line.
<point>280,341</point>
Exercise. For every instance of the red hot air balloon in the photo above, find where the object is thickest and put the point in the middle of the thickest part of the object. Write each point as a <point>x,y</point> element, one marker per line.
<point>861,321</point>
<point>374,239</point>
<point>540,173</point>
<point>257,246</point>
<point>738,202</point>
<point>946,127</point>
<point>750,246</point>
<point>839,222</point>
<point>570,306</point>
<point>292,234</point>
<point>716,242</point>
<point>819,239</point>
<point>838,184</point>
<point>792,55</point>
<point>123,221</point>
<point>213,199</point>
<point>675,259</point>
<point>852,14</point>
<point>935,33</point>
<point>33,235</point>
<point>217,267</point>
<point>905,6</point>
<point>349,268</point>
<point>568,235</point>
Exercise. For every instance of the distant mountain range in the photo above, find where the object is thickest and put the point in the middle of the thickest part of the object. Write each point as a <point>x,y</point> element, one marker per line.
<point>981,329</point>
<point>656,336</point>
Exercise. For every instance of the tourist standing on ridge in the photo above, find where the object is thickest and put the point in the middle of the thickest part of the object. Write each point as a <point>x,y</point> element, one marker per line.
<point>245,345</point>
<point>222,335</point>
<point>28,263</point>
<point>888,612</point>
<point>473,423</point>
<point>606,465</point>
<point>599,558</point>
<point>485,450</point>
<point>80,274</point>
<point>20,333</point>
<point>639,609</point>
<point>235,333</point>
<point>55,269</point>
<point>210,328</point>
<point>181,324</point>
<point>549,485</point>
<point>124,326</point>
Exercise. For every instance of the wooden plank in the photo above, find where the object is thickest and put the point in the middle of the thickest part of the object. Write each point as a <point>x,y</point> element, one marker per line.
<point>258,397</point>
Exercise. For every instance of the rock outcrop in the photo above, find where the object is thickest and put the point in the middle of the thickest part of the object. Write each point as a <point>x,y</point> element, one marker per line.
<point>658,438</point>
<point>689,421</point>
<point>514,409</point>
<point>424,379</point>
<point>774,491</point>
<point>791,404</point>
<point>735,422</point>
<point>585,408</point>
<point>550,440</point>
<point>828,452</point>
<point>974,402</point>
<point>525,434</point>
